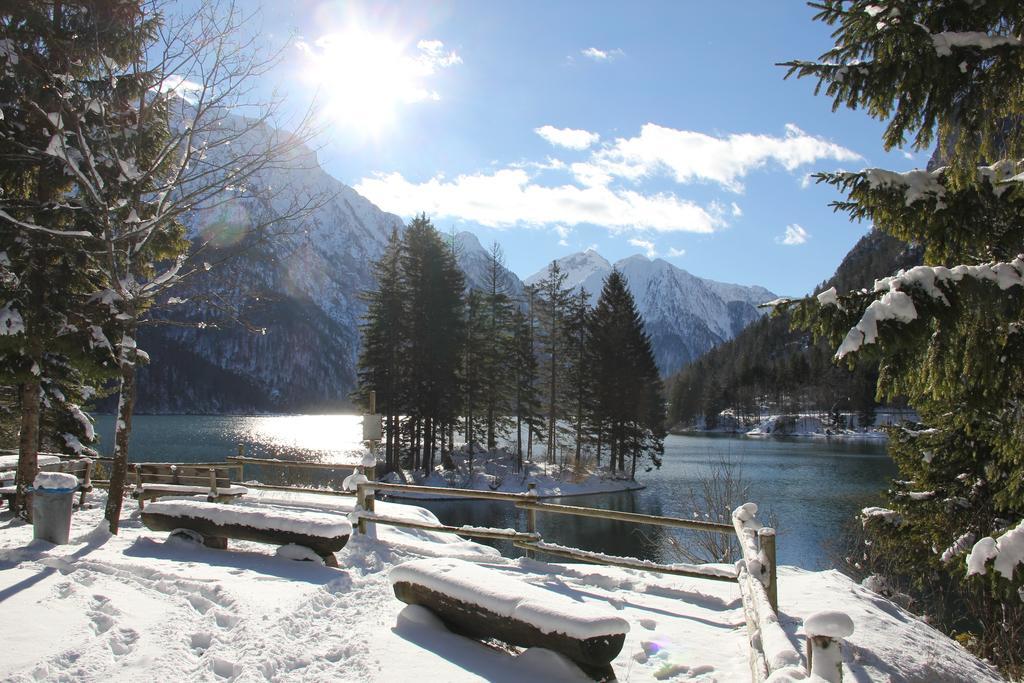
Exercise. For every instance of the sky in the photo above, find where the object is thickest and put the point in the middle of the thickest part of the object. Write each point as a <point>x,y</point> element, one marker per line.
<point>664,129</point>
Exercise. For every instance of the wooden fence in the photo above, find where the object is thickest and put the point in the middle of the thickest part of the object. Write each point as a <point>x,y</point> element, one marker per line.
<point>756,574</point>
<point>770,648</point>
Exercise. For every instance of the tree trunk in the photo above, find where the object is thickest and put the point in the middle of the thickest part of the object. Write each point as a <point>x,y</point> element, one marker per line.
<point>491,441</point>
<point>551,411</point>
<point>529,439</point>
<point>123,427</point>
<point>519,442</point>
<point>600,429</point>
<point>28,445</point>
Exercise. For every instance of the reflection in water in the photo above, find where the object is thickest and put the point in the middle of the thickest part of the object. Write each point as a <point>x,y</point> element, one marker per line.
<point>813,487</point>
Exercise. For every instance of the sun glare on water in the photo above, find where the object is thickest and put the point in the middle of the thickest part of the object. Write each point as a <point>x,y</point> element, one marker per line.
<point>364,77</point>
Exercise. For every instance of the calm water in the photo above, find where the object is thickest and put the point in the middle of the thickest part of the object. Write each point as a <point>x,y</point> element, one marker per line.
<point>811,487</point>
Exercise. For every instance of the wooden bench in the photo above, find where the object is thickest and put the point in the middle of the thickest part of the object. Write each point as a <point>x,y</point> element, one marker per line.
<point>80,467</point>
<point>156,480</point>
<point>323,533</point>
<point>483,603</point>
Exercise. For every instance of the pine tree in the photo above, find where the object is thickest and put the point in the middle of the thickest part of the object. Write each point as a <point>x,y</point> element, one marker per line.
<point>628,408</point>
<point>552,307</point>
<point>495,371</point>
<point>433,286</point>
<point>474,384</point>
<point>53,341</point>
<point>383,346</point>
<point>945,333</point>
<point>579,382</point>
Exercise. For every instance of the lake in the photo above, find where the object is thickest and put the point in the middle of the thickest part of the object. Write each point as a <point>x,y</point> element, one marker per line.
<point>810,487</point>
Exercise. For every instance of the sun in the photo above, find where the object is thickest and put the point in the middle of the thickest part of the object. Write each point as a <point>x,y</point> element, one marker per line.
<point>366,77</point>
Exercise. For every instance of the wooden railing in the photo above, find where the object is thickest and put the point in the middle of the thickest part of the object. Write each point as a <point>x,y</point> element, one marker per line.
<point>757,577</point>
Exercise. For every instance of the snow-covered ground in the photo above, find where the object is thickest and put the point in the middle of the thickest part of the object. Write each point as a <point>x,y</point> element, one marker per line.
<point>812,425</point>
<point>144,606</point>
<point>495,471</point>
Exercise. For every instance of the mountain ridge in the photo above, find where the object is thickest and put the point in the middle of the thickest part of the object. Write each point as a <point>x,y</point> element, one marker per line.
<point>304,289</point>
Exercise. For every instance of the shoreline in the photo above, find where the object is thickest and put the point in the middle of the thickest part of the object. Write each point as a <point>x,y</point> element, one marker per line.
<point>439,497</point>
<point>866,436</point>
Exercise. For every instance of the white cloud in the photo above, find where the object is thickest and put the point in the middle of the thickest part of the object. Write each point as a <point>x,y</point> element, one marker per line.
<point>434,55</point>
<point>689,156</point>
<point>806,180</point>
<point>509,197</point>
<point>570,138</point>
<point>794,235</point>
<point>736,210</point>
<point>602,55</point>
<point>646,245</point>
<point>549,164</point>
<point>563,233</point>
<point>675,253</point>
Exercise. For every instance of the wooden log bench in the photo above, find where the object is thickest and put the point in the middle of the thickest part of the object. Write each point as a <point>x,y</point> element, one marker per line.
<point>157,480</point>
<point>80,467</point>
<point>323,533</point>
<point>483,603</point>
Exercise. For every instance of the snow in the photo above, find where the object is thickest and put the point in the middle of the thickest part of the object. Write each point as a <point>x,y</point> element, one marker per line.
<point>188,489</point>
<point>298,552</point>
<point>897,305</point>
<point>947,40</point>
<point>828,297</point>
<point>144,606</point>
<point>352,481</point>
<point>829,623</point>
<point>11,322</point>
<point>8,462</point>
<point>268,517</point>
<point>497,593</point>
<point>917,185</point>
<point>1007,550</point>
<point>884,514</point>
<point>675,304</point>
<point>495,471</point>
<point>55,481</point>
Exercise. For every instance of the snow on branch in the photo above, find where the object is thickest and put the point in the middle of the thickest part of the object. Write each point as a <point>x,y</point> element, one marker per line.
<point>895,304</point>
<point>881,514</point>
<point>916,185</point>
<point>1007,551</point>
<point>947,40</point>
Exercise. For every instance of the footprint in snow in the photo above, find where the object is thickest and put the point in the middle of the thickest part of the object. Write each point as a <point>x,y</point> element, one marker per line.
<point>226,620</point>
<point>201,640</point>
<point>123,640</point>
<point>222,667</point>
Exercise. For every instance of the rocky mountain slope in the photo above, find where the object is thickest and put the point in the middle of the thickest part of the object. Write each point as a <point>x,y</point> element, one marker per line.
<point>274,325</point>
<point>685,315</point>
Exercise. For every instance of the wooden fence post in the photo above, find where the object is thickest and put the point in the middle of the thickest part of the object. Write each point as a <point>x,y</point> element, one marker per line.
<point>531,517</point>
<point>766,538</point>
<point>825,632</point>
<point>365,501</point>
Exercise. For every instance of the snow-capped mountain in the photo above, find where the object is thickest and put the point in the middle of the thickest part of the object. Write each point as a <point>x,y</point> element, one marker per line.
<point>685,315</point>
<point>475,261</point>
<point>303,287</point>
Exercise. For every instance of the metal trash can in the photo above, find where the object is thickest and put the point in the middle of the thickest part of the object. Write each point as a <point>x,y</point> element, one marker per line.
<point>53,495</point>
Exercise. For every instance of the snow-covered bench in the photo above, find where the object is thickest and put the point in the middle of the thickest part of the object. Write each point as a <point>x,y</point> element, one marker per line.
<point>158,480</point>
<point>80,467</point>
<point>484,603</point>
<point>215,523</point>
